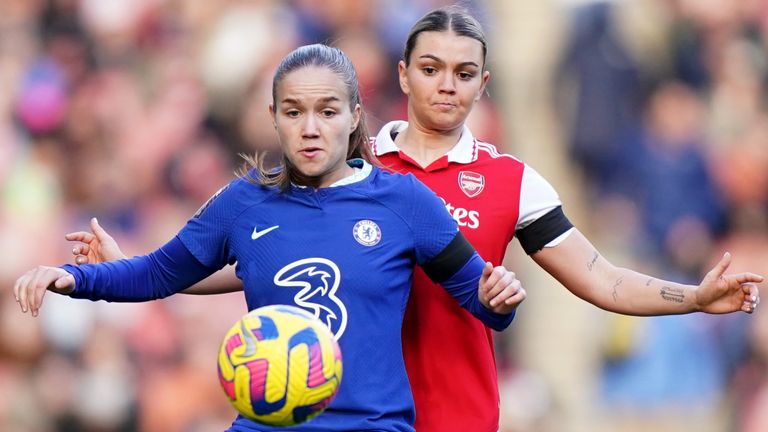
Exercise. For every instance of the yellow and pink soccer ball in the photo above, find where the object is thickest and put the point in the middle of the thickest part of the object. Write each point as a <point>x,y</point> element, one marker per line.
<point>279,365</point>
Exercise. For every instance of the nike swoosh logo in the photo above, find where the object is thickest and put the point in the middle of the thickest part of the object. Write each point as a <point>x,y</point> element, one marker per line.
<point>256,233</point>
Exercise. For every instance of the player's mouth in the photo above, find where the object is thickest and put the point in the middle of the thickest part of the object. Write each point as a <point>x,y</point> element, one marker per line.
<point>310,152</point>
<point>444,106</point>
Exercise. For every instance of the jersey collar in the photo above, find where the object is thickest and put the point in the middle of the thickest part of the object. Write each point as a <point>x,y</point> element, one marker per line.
<point>362,170</point>
<point>464,152</point>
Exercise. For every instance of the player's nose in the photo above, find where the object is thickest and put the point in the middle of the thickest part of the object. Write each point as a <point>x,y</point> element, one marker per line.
<point>309,128</point>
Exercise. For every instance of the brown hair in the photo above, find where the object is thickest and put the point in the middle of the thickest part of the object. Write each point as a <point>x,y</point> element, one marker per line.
<point>359,146</point>
<point>449,18</point>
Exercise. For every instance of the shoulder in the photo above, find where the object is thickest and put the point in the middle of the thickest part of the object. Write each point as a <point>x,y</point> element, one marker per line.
<point>398,192</point>
<point>406,191</point>
<point>508,169</point>
<point>494,167</point>
<point>389,179</point>
<point>487,152</point>
<point>240,193</point>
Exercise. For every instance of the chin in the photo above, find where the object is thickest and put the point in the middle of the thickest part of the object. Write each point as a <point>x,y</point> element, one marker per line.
<point>310,174</point>
<point>446,124</point>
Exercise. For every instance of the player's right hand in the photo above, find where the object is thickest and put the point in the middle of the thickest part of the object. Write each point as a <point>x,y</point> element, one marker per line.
<point>94,247</point>
<point>725,293</point>
<point>31,287</point>
<point>499,289</point>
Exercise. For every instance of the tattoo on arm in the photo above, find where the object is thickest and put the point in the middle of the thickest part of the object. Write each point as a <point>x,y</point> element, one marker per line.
<point>672,294</point>
<point>591,264</point>
<point>615,292</point>
<point>649,282</point>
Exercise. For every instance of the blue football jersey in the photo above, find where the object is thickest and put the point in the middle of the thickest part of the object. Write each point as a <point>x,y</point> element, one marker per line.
<point>346,254</point>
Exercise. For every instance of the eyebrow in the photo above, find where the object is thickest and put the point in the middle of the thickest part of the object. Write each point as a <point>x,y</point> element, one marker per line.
<point>437,59</point>
<point>294,101</point>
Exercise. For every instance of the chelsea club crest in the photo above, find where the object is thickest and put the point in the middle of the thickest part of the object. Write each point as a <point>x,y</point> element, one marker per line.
<point>366,232</point>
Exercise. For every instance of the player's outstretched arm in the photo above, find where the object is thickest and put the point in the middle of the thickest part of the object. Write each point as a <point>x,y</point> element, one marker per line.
<point>578,265</point>
<point>31,287</point>
<point>499,289</point>
<point>99,246</point>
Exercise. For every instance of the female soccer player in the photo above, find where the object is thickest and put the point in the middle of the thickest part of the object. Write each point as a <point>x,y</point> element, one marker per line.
<point>322,219</point>
<point>493,197</point>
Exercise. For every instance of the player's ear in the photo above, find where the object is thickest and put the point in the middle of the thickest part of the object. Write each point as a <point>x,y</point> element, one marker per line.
<point>272,114</point>
<point>403,76</point>
<point>486,78</point>
<point>356,113</point>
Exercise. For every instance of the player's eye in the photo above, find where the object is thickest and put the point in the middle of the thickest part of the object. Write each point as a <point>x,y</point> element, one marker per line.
<point>465,76</point>
<point>429,70</point>
<point>327,113</point>
<point>293,113</point>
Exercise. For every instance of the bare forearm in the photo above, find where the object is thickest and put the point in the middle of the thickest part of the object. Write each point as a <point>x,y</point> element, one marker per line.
<point>578,265</point>
<point>628,292</point>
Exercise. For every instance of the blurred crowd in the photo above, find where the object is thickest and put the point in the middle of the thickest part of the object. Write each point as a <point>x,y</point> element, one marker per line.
<point>135,111</point>
<point>667,119</point>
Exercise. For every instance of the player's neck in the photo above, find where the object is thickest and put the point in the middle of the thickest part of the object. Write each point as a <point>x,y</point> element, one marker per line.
<point>426,146</point>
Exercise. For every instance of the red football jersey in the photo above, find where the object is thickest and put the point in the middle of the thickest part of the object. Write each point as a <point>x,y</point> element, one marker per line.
<point>449,354</point>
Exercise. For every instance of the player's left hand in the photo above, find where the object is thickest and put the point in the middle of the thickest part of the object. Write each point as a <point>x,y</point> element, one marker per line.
<point>31,287</point>
<point>724,293</point>
<point>499,289</point>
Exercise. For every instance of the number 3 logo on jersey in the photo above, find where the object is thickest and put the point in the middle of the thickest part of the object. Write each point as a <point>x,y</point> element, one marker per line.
<point>317,280</point>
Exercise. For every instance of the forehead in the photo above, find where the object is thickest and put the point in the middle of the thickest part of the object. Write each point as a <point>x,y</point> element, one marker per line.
<point>311,82</point>
<point>448,46</point>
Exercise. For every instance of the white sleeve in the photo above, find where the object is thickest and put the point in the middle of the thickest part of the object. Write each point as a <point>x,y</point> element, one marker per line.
<point>537,198</point>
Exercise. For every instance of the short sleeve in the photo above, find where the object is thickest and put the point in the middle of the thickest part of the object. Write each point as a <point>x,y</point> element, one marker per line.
<point>537,198</point>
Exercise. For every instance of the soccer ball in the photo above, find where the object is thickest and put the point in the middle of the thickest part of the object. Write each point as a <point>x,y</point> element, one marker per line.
<point>279,365</point>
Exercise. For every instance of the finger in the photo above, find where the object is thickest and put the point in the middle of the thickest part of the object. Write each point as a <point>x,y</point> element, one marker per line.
<point>505,287</point>
<point>507,290</point>
<point>44,279</point>
<point>751,297</point>
<point>101,234</point>
<point>81,259</point>
<point>748,277</point>
<point>483,286</point>
<point>33,287</point>
<point>81,236</point>
<point>23,289</point>
<point>37,296</point>
<point>754,295</point>
<point>487,270</point>
<point>721,266</point>
<point>499,279</point>
<point>751,292</point>
<point>81,249</point>
<point>518,298</point>
<point>16,289</point>
<point>748,307</point>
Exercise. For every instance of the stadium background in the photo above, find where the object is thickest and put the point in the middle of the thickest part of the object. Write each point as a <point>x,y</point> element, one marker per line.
<point>648,116</point>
